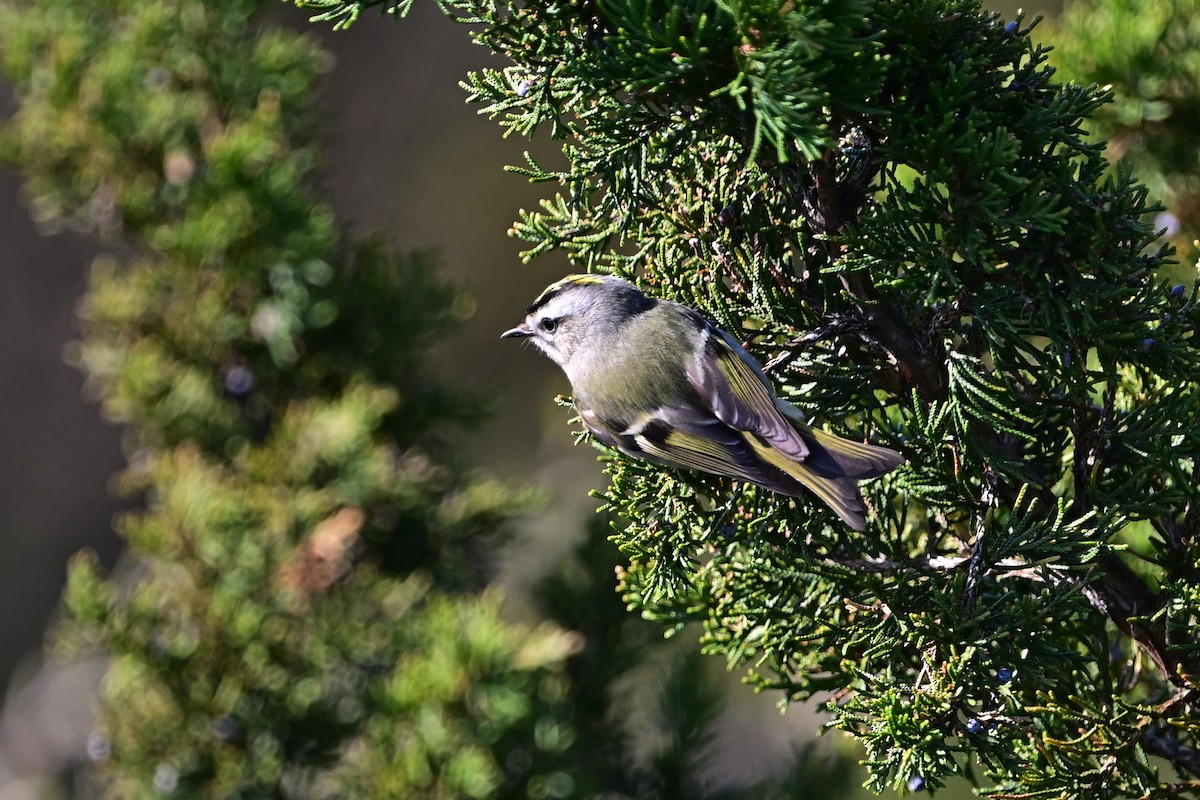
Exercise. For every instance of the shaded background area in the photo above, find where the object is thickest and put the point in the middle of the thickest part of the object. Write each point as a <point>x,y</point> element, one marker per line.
<point>49,437</point>
<point>406,157</point>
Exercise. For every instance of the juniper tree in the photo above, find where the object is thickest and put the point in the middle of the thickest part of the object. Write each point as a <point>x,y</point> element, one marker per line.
<point>895,206</point>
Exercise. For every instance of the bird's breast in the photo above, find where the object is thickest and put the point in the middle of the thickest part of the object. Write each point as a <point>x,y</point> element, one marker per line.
<point>626,380</point>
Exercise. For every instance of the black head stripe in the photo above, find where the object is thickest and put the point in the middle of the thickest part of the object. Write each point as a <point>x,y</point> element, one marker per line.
<point>622,295</point>
<point>555,289</point>
<point>542,300</point>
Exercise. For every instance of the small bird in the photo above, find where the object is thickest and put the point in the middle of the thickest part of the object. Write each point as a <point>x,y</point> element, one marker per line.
<point>656,380</point>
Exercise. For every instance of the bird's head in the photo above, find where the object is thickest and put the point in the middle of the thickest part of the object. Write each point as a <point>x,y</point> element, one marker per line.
<point>577,313</point>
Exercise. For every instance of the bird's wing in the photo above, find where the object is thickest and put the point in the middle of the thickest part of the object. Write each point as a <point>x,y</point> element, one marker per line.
<point>695,439</point>
<point>682,436</point>
<point>692,438</point>
<point>731,383</point>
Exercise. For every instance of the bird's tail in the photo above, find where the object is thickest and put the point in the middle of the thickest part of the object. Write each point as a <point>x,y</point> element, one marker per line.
<point>835,456</point>
<point>832,470</point>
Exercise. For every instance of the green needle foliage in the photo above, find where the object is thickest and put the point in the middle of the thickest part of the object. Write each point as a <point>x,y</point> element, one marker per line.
<point>895,205</point>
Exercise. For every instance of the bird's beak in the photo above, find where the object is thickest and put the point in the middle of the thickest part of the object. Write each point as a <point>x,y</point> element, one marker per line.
<point>522,331</point>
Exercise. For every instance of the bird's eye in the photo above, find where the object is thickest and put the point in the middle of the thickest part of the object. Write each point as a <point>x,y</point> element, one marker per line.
<point>549,324</point>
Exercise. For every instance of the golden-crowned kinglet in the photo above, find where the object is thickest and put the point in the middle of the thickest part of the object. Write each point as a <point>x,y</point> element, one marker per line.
<point>656,380</point>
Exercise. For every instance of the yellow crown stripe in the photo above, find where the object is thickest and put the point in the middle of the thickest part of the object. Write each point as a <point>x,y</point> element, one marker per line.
<point>559,285</point>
